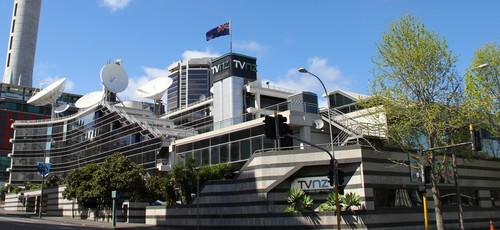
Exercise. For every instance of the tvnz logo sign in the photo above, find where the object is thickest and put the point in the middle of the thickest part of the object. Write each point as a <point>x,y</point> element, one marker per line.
<point>312,184</point>
<point>237,65</point>
<point>233,65</point>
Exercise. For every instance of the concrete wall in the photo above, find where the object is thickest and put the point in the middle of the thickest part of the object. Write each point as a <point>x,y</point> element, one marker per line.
<point>256,197</point>
<point>55,205</point>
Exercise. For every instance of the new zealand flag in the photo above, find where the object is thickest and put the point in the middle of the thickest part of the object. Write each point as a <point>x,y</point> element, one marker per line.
<point>218,31</point>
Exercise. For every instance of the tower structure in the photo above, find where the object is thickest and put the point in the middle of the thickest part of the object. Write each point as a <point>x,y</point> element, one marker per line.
<point>191,82</point>
<point>22,43</point>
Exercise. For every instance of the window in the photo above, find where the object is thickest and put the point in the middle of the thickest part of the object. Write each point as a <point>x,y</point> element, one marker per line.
<point>449,197</point>
<point>214,153</point>
<point>235,151</point>
<point>495,198</point>
<point>396,198</point>
<point>224,153</point>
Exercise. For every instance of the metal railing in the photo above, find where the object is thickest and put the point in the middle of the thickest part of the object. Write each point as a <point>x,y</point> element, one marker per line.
<point>354,126</point>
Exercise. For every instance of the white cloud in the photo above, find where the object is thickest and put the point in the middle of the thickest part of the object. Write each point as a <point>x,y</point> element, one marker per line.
<point>115,5</point>
<point>251,47</point>
<point>330,76</point>
<point>43,83</point>
<point>150,73</point>
<point>188,54</point>
<point>288,41</point>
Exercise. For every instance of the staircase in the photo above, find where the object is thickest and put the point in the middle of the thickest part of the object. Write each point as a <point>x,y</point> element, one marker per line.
<point>351,129</point>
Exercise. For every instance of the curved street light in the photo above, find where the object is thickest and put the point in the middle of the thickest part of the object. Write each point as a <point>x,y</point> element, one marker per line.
<point>333,161</point>
<point>304,70</point>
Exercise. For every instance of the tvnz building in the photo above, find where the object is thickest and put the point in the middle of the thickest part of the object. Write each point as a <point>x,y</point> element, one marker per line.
<point>227,126</point>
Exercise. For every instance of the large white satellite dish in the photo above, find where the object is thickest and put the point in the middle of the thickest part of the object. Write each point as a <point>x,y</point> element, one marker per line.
<point>114,77</point>
<point>49,94</point>
<point>318,123</point>
<point>154,89</point>
<point>61,108</point>
<point>89,99</point>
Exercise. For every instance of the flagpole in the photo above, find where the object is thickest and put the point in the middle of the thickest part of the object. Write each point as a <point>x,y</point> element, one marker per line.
<point>231,35</point>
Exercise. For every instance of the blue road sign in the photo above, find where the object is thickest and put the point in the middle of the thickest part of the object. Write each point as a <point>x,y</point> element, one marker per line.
<point>43,168</point>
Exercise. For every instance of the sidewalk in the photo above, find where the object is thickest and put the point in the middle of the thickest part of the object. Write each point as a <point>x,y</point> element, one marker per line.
<point>81,222</point>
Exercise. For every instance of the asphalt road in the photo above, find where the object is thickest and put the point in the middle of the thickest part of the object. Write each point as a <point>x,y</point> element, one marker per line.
<point>25,223</point>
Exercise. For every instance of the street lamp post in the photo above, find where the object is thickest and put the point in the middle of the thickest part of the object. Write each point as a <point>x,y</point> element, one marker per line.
<point>304,70</point>
<point>333,161</point>
<point>454,164</point>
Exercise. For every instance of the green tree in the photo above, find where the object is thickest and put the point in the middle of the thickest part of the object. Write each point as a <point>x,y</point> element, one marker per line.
<point>53,181</point>
<point>419,92</point>
<point>80,186</point>
<point>214,172</point>
<point>170,188</point>
<point>118,173</point>
<point>92,184</point>
<point>483,88</point>
<point>156,188</point>
<point>184,177</point>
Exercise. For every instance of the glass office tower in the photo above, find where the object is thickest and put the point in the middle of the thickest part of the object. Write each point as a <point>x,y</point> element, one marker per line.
<point>190,82</point>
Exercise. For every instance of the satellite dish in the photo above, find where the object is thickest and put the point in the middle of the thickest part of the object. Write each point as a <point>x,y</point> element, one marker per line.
<point>89,99</point>
<point>63,107</point>
<point>114,77</point>
<point>318,123</point>
<point>49,94</point>
<point>154,89</point>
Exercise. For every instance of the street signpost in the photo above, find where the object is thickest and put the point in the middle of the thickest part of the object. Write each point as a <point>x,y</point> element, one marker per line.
<point>43,169</point>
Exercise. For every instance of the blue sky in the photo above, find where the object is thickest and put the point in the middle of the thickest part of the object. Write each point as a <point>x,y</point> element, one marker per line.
<point>334,39</point>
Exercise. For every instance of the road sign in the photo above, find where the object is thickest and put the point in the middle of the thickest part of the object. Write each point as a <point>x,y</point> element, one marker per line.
<point>43,168</point>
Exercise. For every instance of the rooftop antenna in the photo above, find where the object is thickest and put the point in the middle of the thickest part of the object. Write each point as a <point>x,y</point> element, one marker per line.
<point>49,95</point>
<point>114,78</point>
<point>155,89</point>
<point>61,108</point>
<point>89,99</point>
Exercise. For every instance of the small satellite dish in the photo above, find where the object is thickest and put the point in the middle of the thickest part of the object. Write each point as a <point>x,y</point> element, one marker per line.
<point>154,89</point>
<point>49,94</point>
<point>63,107</point>
<point>114,77</point>
<point>89,99</point>
<point>318,123</point>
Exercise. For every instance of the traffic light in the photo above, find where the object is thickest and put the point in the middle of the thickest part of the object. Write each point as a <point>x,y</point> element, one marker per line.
<point>270,127</point>
<point>283,126</point>
<point>340,178</point>
<point>475,136</point>
<point>427,174</point>
<point>330,178</point>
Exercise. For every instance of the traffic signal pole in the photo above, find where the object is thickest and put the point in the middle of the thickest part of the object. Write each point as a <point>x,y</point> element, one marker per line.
<point>337,198</point>
<point>276,128</point>
<point>476,146</point>
<point>334,165</point>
